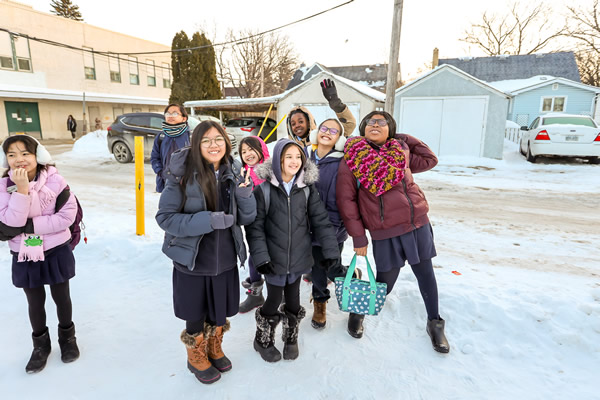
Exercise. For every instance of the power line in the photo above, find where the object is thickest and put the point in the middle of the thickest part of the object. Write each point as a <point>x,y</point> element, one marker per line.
<point>113,54</point>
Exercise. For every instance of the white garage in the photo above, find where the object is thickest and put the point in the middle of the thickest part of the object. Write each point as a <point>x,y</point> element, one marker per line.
<point>454,113</point>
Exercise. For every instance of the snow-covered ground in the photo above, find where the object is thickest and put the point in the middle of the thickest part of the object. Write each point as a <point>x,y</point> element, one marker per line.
<point>523,316</point>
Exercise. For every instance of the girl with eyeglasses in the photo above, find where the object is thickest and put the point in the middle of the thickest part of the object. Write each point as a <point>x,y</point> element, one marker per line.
<point>376,191</point>
<point>175,135</point>
<point>326,152</point>
<point>201,210</point>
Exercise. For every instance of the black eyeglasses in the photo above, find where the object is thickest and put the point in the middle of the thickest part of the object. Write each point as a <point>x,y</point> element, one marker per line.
<point>378,121</point>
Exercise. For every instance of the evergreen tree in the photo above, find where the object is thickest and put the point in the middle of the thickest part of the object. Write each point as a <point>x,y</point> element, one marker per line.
<point>64,8</point>
<point>194,71</point>
<point>179,66</point>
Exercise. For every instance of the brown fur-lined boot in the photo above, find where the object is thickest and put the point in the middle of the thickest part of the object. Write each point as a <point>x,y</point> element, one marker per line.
<point>215,340</point>
<point>198,362</point>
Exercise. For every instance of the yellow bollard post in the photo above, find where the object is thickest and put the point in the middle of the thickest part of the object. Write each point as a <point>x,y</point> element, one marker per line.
<point>265,120</point>
<point>139,186</point>
<point>274,129</point>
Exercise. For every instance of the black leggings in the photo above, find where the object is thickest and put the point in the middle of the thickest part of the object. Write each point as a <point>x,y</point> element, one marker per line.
<point>36,299</point>
<point>427,284</point>
<point>275,295</point>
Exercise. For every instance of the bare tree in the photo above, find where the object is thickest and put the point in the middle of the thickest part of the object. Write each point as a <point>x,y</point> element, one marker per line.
<point>261,65</point>
<point>583,25</point>
<point>523,31</point>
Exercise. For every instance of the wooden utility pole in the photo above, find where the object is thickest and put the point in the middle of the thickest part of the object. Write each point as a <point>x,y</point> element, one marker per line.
<point>392,74</point>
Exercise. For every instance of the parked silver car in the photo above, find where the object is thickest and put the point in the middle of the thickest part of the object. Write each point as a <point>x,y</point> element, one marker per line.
<point>249,126</point>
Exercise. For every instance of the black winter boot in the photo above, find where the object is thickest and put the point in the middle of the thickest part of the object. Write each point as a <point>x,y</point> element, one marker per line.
<point>41,351</point>
<point>289,335</point>
<point>69,351</point>
<point>255,297</point>
<point>435,330</point>
<point>355,325</point>
<point>264,341</point>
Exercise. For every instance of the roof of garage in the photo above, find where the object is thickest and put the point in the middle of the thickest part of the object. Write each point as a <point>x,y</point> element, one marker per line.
<point>452,69</point>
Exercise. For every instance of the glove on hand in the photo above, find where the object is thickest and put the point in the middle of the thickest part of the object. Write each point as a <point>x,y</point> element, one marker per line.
<point>220,220</point>
<point>243,192</point>
<point>330,94</point>
<point>328,263</point>
<point>266,268</point>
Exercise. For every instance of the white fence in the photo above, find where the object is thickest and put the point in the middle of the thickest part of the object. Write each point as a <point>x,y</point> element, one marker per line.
<point>512,134</point>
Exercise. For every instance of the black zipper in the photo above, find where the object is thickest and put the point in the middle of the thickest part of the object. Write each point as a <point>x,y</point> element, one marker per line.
<point>381,207</point>
<point>289,203</point>
<point>410,203</point>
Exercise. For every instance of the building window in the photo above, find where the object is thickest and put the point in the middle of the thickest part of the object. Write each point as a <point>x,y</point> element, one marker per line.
<point>553,104</point>
<point>115,68</point>
<point>134,74</point>
<point>14,53</point>
<point>89,65</point>
<point>166,73</point>
<point>151,73</point>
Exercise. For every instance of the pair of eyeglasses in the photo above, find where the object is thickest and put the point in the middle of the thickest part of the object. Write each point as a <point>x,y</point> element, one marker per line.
<point>219,141</point>
<point>378,121</point>
<point>173,114</point>
<point>332,131</point>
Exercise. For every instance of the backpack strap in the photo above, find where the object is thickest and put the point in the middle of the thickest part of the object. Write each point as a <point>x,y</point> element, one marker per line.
<point>62,198</point>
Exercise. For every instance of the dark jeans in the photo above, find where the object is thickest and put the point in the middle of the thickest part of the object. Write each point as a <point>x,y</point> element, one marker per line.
<point>320,276</point>
<point>36,299</point>
<point>427,284</point>
<point>275,295</point>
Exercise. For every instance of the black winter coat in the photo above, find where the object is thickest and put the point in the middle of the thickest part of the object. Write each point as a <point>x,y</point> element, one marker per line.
<point>283,237</point>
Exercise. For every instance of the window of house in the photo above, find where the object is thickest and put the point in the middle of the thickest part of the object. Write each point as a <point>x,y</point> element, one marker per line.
<point>134,74</point>
<point>89,65</point>
<point>553,104</point>
<point>115,68</point>
<point>151,73</point>
<point>166,74</point>
<point>14,53</point>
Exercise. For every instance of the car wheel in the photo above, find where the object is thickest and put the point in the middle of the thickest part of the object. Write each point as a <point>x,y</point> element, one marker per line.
<point>122,153</point>
<point>530,157</point>
<point>594,160</point>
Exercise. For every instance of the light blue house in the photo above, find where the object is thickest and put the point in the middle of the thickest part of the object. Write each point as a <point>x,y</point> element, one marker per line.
<point>543,94</point>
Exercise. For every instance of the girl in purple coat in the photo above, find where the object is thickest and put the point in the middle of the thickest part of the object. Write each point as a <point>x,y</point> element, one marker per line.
<point>41,252</point>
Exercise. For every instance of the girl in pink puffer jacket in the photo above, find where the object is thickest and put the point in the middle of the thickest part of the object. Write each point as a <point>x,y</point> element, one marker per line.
<point>41,252</point>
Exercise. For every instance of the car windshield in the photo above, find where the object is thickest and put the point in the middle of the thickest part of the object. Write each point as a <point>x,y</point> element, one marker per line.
<point>583,121</point>
<point>237,123</point>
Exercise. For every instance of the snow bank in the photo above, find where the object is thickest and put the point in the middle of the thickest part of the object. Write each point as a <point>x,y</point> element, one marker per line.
<point>91,145</point>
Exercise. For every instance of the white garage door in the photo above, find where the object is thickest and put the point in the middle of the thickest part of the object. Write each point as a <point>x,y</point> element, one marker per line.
<point>449,126</point>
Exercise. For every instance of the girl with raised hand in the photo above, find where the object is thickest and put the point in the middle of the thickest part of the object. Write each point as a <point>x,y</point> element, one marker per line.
<point>201,209</point>
<point>41,254</point>
<point>253,152</point>
<point>376,191</point>
<point>288,208</point>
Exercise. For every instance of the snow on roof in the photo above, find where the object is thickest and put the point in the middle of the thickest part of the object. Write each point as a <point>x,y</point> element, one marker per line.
<point>375,94</point>
<point>516,86</point>
<point>511,124</point>
<point>30,92</point>
<point>245,101</point>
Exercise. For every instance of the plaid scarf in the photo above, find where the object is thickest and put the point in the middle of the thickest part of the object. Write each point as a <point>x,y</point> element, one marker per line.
<point>377,171</point>
<point>174,130</point>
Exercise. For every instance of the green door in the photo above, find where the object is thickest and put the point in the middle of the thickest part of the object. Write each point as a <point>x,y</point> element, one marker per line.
<point>23,118</point>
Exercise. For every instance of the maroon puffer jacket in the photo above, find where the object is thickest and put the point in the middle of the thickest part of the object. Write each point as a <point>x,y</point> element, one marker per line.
<point>399,210</point>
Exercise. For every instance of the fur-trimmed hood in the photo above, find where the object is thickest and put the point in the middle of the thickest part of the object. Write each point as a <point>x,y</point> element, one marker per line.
<point>308,175</point>
<point>311,125</point>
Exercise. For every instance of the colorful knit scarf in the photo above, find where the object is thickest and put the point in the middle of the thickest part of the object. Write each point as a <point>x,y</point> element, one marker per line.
<point>377,171</point>
<point>174,130</point>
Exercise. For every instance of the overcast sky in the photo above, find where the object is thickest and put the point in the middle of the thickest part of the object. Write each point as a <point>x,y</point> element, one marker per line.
<point>355,34</point>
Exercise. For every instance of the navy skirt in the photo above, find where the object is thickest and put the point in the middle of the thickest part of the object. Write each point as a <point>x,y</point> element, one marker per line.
<point>414,247</point>
<point>58,267</point>
<point>211,298</point>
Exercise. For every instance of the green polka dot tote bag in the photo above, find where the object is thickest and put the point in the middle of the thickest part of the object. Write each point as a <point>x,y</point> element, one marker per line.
<point>358,296</point>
